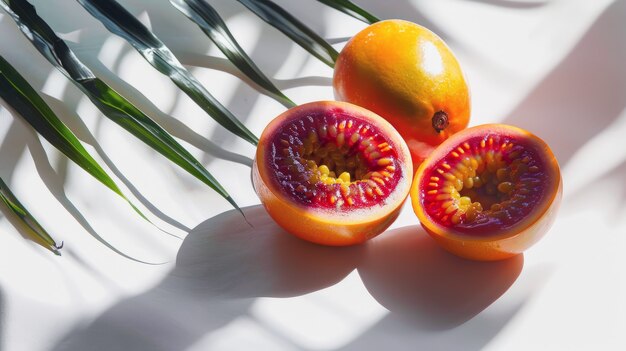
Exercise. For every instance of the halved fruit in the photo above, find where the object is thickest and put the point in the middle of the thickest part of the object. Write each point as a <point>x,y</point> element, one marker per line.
<point>489,192</point>
<point>332,173</point>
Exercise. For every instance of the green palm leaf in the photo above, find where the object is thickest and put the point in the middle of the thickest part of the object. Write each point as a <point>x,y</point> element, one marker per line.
<point>351,9</point>
<point>112,104</point>
<point>36,231</point>
<point>282,20</point>
<point>120,22</point>
<point>213,26</point>
<point>16,91</point>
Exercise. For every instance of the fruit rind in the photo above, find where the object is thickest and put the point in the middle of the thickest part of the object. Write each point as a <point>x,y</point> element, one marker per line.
<point>407,74</point>
<point>325,226</point>
<point>505,243</point>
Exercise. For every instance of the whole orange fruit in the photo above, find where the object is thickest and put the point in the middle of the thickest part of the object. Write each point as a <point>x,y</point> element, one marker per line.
<point>408,75</point>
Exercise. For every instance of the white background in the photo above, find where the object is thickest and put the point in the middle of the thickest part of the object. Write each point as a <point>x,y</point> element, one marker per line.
<point>555,67</point>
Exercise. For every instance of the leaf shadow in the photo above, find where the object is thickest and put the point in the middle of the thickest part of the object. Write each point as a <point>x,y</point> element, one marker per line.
<point>76,124</point>
<point>584,93</point>
<point>55,185</point>
<point>223,265</point>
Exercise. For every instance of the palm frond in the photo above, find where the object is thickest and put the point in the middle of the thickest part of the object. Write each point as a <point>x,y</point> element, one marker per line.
<point>205,16</point>
<point>35,231</point>
<point>282,20</point>
<point>351,9</point>
<point>107,100</point>
<point>122,23</point>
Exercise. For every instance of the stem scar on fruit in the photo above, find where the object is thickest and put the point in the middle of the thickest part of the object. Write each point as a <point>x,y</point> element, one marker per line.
<point>332,173</point>
<point>440,121</point>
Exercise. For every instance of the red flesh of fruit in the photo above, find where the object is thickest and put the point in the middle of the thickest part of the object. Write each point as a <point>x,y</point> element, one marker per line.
<point>508,182</point>
<point>343,143</point>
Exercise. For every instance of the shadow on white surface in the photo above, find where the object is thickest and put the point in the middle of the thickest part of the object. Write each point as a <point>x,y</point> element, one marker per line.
<point>224,265</point>
<point>409,274</point>
<point>584,93</point>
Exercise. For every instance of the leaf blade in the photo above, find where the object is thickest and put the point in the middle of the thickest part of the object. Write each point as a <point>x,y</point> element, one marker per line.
<point>351,9</point>
<point>289,25</point>
<point>16,91</point>
<point>120,22</point>
<point>210,22</point>
<point>111,104</point>
<point>38,233</point>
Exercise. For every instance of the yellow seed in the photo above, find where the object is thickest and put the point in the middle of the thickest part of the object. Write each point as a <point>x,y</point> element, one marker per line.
<point>450,209</point>
<point>466,145</point>
<point>391,168</point>
<point>324,170</point>
<point>432,192</point>
<point>345,176</point>
<point>341,139</point>
<point>502,173</point>
<point>447,204</point>
<point>465,201</point>
<point>533,169</point>
<point>434,179</point>
<point>354,138</point>
<point>369,192</point>
<point>456,218</point>
<point>332,131</point>
<point>374,155</point>
<point>449,176</point>
<point>379,180</point>
<point>378,191</point>
<point>342,125</point>
<point>458,184</point>
<point>323,131</point>
<point>496,207</point>
<point>333,199</point>
<point>482,143</point>
<point>446,166</point>
<point>478,182</point>
<point>448,189</point>
<point>455,154</point>
<point>349,200</point>
<point>477,206</point>
<point>385,174</point>
<point>460,149</point>
<point>468,183</point>
<point>505,187</point>
<point>384,161</point>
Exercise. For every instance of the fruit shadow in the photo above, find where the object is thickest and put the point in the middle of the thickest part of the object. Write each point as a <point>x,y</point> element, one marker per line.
<point>223,265</point>
<point>584,93</point>
<point>410,275</point>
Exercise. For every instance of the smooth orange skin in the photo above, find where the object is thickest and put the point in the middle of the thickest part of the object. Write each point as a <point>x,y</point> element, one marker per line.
<point>309,224</point>
<point>405,73</point>
<point>495,246</point>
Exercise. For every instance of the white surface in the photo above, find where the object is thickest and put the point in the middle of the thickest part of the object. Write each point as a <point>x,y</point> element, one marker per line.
<point>557,68</point>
